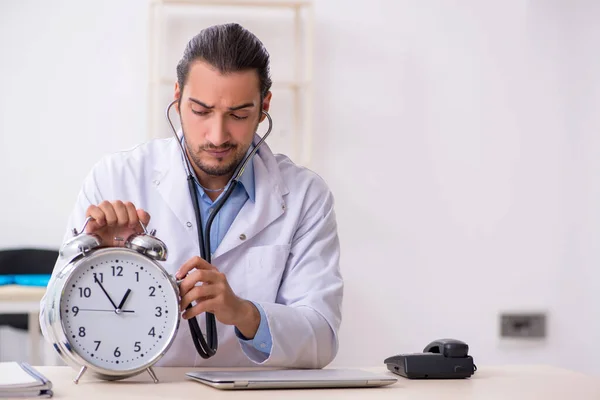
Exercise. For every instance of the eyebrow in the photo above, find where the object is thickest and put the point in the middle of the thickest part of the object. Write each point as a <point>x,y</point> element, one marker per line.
<point>235,108</point>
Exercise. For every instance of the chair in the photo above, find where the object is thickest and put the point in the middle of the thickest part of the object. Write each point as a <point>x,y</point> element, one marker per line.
<point>24,261</point>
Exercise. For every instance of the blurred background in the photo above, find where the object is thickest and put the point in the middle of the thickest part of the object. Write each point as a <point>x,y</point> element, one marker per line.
<point>460,140</point>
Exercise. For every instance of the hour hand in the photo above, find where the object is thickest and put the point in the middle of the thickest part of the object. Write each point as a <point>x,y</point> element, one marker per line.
<point>107,295</point>
<point>120,307</point>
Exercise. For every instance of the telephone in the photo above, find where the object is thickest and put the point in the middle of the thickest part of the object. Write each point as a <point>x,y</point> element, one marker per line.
<point>441,359</point>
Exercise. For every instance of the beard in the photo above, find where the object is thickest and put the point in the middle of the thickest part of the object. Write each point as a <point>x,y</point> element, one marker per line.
<point>222,167</point>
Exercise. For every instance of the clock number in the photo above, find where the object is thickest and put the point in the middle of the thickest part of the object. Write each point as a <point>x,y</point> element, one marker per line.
<point>75,310</point>
<point>158,312</point>
<point>152,290</point>
<point>97,344</point>
<point>117,271</point>
<point>101,274</point>
<point>85,292</point>
<point>137,347</point>
<point>151,333</point>
<point>137,276</point>
<point>117,353</point>
<point>81,331</point>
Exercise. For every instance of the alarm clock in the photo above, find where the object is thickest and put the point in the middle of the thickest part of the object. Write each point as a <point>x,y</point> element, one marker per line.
<point>112,310</point>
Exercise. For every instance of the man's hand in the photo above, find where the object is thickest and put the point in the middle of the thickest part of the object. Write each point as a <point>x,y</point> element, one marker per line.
<point>215,296</point>
<point>115,221</point>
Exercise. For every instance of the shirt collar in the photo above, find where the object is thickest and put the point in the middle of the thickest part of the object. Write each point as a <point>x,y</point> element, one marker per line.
<point>247,178</point>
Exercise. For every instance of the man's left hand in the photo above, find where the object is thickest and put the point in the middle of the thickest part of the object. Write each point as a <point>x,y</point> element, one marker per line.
<point>215,295</point>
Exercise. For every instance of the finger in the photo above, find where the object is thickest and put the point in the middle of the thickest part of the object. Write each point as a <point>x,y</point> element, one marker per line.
<point>109,213</point>
<point>198,293</point>
<point>143,216</point>
<point>209,305</point>
<point>199,275</point>
<point>193,263</point>
<point>121,212</point>
<point>98,221</point>
<point>131,214</point>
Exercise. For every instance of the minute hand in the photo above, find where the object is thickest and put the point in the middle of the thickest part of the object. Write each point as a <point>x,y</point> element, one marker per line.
<point>107,295</point>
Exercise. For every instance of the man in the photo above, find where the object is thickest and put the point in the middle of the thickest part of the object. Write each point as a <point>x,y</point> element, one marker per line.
<point>274,283</point>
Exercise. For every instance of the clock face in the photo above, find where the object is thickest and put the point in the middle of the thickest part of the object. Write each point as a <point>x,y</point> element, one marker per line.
<point>118,310</point>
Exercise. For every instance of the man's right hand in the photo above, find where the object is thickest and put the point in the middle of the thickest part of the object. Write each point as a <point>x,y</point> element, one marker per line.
<point>115,221</point>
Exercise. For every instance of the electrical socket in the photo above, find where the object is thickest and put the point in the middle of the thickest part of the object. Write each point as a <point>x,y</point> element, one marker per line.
<point>523,325</point>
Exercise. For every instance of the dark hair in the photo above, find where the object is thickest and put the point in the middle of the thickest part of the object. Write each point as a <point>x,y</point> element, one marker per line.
<point>229,48</point>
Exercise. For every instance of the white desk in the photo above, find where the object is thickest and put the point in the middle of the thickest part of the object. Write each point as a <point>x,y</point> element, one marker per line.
<point>492,383</point>
<point>15,299</point>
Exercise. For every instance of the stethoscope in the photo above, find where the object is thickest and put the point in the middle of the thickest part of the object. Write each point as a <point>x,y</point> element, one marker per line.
<point>208,347</point>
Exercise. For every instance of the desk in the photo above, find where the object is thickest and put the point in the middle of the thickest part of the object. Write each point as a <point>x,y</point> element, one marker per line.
<point>492,383</point>
<point>15,299</point>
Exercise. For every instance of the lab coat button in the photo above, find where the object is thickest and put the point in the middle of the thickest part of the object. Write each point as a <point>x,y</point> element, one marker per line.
<point>242,237</point>
<point>189,224</point>
<point>157,182</point>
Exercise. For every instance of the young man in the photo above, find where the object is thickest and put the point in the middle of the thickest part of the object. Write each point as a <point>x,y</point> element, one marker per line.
<point>274,283</point>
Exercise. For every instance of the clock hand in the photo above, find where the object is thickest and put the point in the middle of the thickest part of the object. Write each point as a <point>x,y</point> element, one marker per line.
<point>92,309</point>
<point>104,290</point>
<point>120,307</point>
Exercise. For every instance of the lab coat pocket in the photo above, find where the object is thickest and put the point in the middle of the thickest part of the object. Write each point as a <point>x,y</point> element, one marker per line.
<point>265,266</point>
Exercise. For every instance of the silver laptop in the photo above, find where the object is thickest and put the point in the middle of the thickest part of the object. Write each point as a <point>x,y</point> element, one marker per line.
<point>292,378</point>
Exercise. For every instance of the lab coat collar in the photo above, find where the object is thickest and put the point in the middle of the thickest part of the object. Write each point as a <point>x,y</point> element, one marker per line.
<point>268,207</point>
<point>170,180</point>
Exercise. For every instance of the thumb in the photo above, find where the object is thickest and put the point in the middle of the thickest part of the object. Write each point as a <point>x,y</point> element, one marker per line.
<point>92,227</point>
<point>143,216</point>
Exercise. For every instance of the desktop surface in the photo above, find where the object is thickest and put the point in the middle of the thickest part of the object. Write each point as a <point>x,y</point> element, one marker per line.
<point>509,382</point>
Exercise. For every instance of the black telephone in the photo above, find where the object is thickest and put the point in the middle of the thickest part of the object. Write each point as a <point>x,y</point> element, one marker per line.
<point>441,359</point>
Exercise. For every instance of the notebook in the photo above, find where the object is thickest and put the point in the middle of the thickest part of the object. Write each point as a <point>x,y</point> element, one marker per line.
<point>292,379</point>
<point>22,380</point>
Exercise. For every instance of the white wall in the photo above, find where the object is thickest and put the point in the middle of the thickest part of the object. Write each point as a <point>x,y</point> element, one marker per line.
<point>580,304</point>
<point>73,87</point>
<point>459,140</point>
<point>451,131</point>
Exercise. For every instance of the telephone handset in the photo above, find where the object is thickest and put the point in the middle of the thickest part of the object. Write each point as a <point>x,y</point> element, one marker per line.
<point>448,348</point>
<point>441,359</point>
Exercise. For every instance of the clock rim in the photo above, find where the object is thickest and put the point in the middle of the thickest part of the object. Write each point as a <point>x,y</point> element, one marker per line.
<point>55,323</point>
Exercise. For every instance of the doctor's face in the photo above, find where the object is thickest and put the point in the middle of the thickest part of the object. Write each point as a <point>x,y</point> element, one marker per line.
<point>219,116</point>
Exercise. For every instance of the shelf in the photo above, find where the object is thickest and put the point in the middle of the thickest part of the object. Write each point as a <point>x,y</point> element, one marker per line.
<point>275,85</point>
<point>237,3</point>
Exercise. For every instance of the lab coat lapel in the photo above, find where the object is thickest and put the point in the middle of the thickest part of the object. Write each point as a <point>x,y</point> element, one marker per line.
<point>268,206</point>
<point>171,182</point>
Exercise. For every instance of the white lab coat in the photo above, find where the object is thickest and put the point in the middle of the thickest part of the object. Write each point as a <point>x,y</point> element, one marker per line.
<point>288,261</point>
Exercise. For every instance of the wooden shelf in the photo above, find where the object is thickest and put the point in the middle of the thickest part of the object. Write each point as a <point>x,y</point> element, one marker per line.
<point>276,84</point>
<point>237,3</point>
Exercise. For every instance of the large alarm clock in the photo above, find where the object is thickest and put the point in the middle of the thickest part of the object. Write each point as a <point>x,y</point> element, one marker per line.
<point>112,310</point>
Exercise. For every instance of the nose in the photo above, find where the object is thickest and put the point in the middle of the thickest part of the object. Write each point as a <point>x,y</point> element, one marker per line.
<point>217,134</point>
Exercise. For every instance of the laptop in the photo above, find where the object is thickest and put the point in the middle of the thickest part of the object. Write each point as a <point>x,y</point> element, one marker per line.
<point>292,379</point>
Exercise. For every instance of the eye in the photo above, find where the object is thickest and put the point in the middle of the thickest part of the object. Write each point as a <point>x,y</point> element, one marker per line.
<point>239,117</point>
<point>201,113</point>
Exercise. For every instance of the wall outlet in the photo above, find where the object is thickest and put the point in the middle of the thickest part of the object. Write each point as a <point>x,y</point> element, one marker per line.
<point>523,325</point>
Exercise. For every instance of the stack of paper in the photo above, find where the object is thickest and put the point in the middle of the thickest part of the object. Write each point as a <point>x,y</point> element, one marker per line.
<point>21,380</point>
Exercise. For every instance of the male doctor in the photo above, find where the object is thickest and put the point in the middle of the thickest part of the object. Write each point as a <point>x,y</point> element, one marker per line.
<point>274,284</point>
